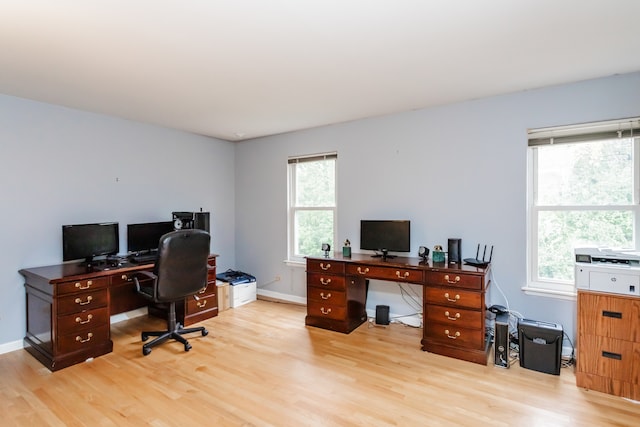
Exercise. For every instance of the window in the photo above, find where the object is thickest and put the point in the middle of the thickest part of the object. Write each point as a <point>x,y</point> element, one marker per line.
<point>312,204</point>
<point>582,192</point>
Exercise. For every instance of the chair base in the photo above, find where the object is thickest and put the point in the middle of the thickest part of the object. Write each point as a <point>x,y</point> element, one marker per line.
<point>175,334</point>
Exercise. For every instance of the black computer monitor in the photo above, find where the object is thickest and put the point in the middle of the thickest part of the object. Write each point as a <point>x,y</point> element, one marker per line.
<point>86,241</point>
<point>385,235</point>
<point>145,237</point>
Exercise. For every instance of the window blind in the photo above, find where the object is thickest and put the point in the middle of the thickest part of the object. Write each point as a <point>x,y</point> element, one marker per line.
<point>597,131</point>
<point>313,158</point>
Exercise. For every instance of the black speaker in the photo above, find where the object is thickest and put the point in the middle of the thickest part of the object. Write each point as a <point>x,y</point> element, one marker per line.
<point>201,221</point>
<point>382,314</point>
<point>501,341</point>
<point>188,220</point>
<point>455,251</point>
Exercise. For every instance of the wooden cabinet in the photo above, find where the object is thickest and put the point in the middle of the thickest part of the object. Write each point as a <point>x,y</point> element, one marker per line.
<point>453,299</point>
<point>206,306</point>
<point>608,343</point>
<point>454,307</point>
<point>334,301</point>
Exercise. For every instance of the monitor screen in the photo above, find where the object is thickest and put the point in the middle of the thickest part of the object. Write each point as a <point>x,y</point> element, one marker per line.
<point>145,237</point>
<point>89,240</point>
<point>387,235</point>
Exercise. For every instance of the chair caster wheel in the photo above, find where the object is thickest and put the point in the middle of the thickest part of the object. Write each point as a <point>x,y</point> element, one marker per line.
<point>146,351</point>
<point>144,336</point>
<point>205,332</point>
<point>187,347</point>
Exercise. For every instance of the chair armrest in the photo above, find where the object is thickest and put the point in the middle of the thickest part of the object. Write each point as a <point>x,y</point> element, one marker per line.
<point>148,274</point>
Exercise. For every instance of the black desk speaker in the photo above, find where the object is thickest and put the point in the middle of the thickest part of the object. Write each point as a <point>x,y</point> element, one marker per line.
<point>382,314</point>
<point>455,251</point>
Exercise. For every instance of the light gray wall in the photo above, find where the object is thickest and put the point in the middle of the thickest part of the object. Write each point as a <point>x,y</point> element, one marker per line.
<point>454,171</point>
<point>62,166</point>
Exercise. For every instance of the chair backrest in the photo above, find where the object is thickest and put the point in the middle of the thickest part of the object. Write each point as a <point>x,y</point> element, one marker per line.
<point>182,264</point>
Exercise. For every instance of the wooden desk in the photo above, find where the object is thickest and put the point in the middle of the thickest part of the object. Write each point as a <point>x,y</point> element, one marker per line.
<point>453,299</point>
<point>69,309</point>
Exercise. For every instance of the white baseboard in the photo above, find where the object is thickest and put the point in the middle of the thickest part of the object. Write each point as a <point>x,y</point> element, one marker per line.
<point>11,346</point>
<point>283,297</point>
<point>142,311</point>
<point>414,320</point>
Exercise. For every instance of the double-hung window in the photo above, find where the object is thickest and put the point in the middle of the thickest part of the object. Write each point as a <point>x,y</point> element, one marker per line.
<point>583,191</point>
<point>312,204</point>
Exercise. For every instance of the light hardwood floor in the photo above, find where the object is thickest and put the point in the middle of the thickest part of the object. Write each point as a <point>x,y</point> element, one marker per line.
<point>261,366</point>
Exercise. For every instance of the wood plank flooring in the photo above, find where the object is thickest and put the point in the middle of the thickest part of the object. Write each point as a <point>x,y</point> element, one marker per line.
<point>261,366</point>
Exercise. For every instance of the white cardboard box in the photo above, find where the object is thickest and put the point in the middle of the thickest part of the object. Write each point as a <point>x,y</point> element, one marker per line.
<point>241,294</point>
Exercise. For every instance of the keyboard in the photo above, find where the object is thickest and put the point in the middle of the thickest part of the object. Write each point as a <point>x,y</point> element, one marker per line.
<point>144,259</point>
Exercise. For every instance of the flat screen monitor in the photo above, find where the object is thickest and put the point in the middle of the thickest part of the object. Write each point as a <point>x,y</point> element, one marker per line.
<point>86,241</point>
<point>145,237</point>
<point>385,236</point>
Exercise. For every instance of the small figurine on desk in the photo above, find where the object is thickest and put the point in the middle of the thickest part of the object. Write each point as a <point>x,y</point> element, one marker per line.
<point>438,254</point>
<point>346,249</point>
<point>326,248</point>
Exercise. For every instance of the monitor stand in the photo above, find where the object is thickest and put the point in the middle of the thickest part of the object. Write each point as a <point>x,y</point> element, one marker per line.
<point>384,255</point>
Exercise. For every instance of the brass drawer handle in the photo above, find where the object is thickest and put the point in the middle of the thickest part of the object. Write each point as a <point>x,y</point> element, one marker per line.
<point>88,301</point>
<point>456,280</point>
<point>365,271</point>
<point>323,296</point>
<point>455,299</point>
<point>201,304</point>
<point>203,290</point>
<point>327,311</point>
<point>325,267</point>
<point>79,285</point>
<point>325,282</point>
<point>79,338</point>
<point>456,317</point>
<point>404,276</point>
<point>125,277</point>
<point>82,322</point>
<point>454,336</point>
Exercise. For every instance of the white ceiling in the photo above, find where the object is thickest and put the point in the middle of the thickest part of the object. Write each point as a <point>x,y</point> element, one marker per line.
<point>241,69</point>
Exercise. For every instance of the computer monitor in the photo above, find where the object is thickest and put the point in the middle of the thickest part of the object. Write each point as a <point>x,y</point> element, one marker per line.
<point>145,237</point>
<point>86,241</point>
<point>385,236</point>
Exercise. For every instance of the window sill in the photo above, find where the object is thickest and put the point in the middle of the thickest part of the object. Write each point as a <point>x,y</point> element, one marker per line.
<point>569,295</point>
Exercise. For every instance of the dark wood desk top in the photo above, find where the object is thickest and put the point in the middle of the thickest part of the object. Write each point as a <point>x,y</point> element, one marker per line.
<point>404,262</point>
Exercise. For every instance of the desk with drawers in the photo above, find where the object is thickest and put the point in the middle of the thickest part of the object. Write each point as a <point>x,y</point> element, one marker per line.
<point>69,309</point>
<point>453,299</point>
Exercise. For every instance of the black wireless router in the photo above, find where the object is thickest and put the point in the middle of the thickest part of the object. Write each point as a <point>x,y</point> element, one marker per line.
<point>477,262</point>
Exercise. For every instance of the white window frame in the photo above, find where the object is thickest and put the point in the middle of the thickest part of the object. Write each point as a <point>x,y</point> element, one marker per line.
<point>624,128</point>
<point>292,257</point>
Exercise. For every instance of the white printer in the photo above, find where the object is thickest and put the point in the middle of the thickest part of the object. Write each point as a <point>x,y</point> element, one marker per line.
<point>608,270</point>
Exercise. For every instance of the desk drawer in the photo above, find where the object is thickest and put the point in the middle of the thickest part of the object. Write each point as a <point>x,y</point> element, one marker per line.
<point>609,358</point>
<point>83,340</point>
<point>453,297</point>
<point>329,296</point>
<point>458,280</point>
<point>76,322</point>
<point>81,285</point>
<point>454,316</point>
<point>609,315</point>
<point>203,304</point>
<point>326,309</point>
<point>82,302</point>
<point>386,273</point>
<point>326,266</point>
<point>326,281</point>
<point>455,336</point>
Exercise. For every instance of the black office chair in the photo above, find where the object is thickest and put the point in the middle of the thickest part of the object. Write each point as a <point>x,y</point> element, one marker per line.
<point>180,272</point>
